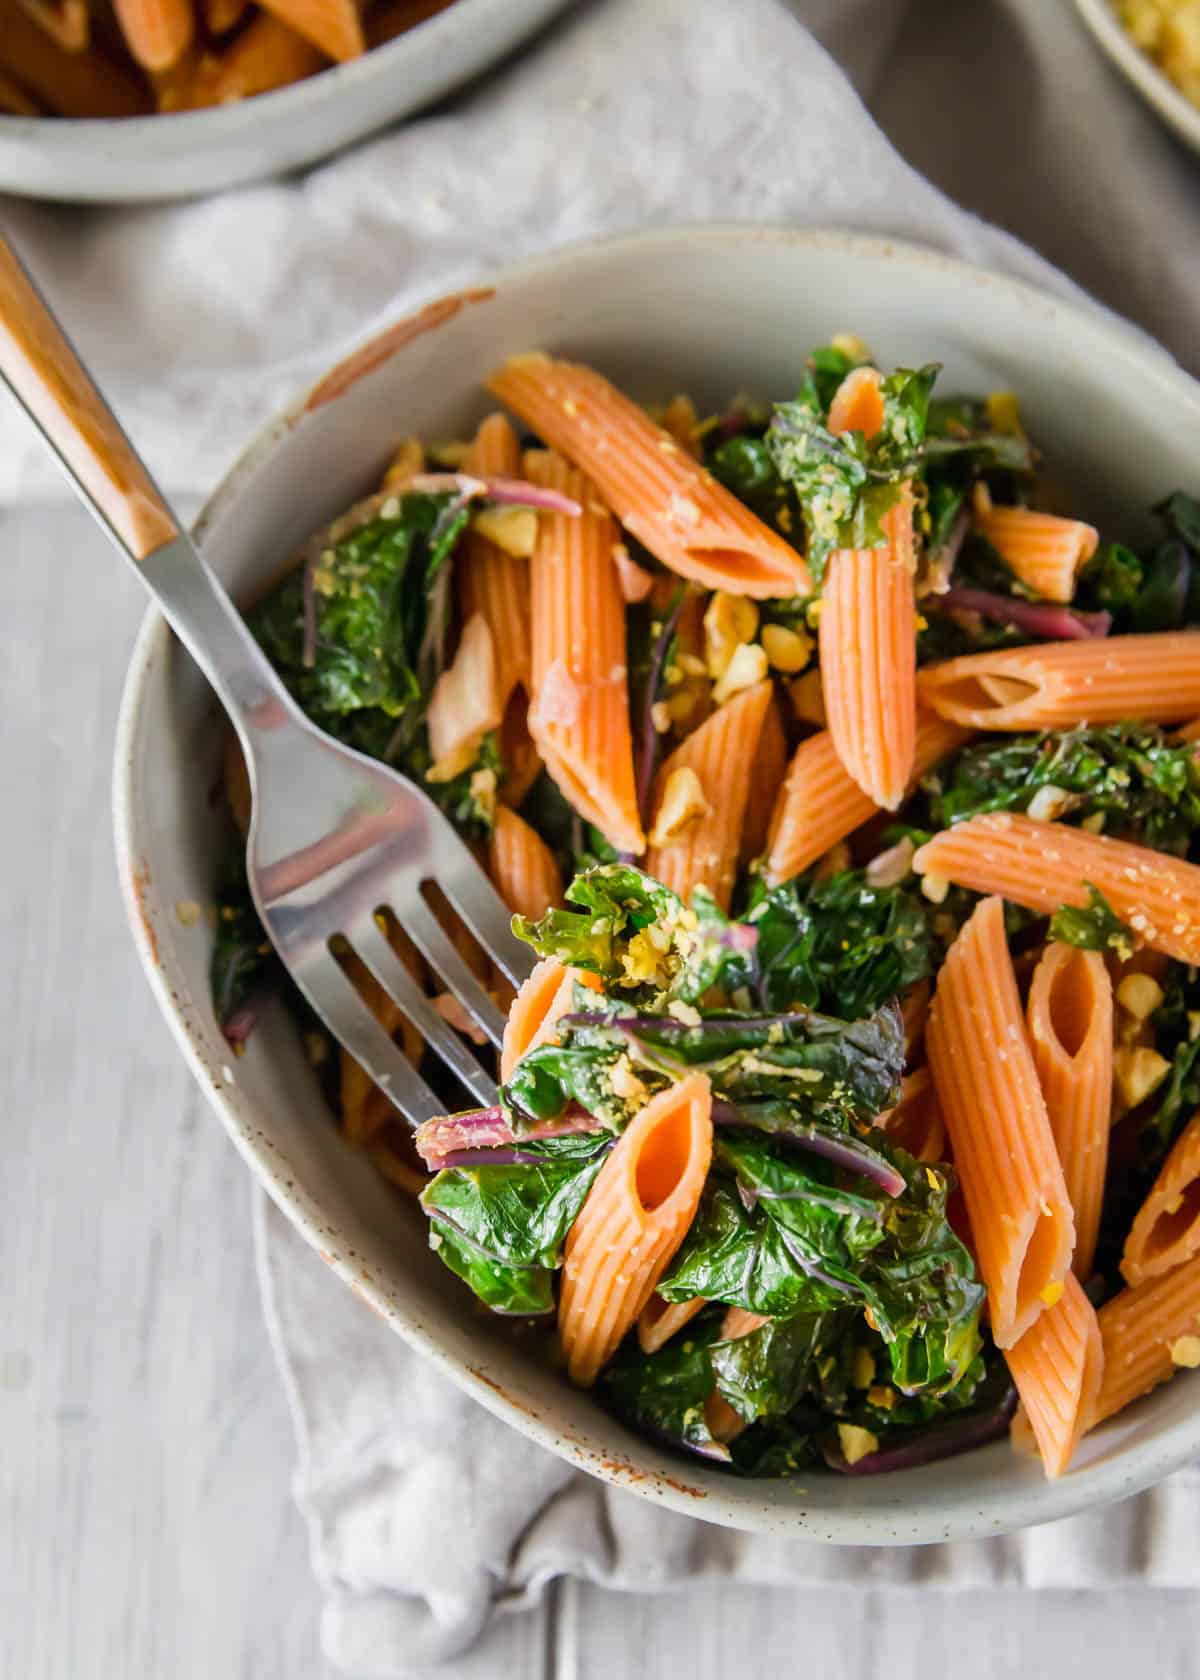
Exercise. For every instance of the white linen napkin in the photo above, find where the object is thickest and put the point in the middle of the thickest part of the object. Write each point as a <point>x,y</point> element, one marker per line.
<point>201,319</point>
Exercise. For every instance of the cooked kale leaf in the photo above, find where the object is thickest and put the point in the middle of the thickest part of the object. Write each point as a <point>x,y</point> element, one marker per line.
<point>665,1394</point>
<point>1096,927</point>
<point>1143,788</point>
<point>847,482</point>
<point>839,945</point>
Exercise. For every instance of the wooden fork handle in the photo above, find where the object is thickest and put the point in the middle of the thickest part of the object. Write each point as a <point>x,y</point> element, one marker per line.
<point>39,364</point>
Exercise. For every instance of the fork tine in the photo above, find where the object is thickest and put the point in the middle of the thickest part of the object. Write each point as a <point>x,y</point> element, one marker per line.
<point>481,907</point>
<point>434,944</point>
<point>372,946</point>
<point>335,1000</point>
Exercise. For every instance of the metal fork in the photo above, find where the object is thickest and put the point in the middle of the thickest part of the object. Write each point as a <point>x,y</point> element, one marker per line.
<point>335,838</point>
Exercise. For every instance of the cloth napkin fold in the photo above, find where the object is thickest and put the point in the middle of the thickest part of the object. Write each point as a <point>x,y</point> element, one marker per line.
<point>201,319</point>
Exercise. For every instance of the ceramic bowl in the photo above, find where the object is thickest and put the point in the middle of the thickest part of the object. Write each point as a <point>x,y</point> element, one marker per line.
<point>713,311</point>
<point>141,158</point>
<point>1157,88</point>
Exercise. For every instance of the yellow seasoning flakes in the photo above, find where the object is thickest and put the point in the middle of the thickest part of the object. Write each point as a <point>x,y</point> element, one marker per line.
<point>1052,1294</point>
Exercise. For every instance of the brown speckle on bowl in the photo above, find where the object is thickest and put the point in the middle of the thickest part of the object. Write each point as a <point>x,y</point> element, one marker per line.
<point>376,351</point>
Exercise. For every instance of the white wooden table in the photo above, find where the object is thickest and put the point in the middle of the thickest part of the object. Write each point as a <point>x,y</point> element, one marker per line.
<point>146,1527</point>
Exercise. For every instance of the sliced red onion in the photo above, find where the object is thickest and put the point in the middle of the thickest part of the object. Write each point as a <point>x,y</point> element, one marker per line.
<point>236,1028</point>
<point>486,1129</point>
<point>1039,618</point>
<point>928,1445</point>
<point>504,492</point>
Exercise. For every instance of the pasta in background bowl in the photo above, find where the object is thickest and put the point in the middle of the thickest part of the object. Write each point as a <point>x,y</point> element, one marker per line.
<point>274,101</point>
<point>713,312</point>
<point>1120,30</point>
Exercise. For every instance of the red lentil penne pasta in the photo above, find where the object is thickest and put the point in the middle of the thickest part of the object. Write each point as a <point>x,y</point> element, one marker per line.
<point>518,752</point>
<point>1166,1231</point>
<point>1057,1366</point>
<point>266,55</point>
<point>86,83</point>
<point>857,404</point>
<point>819,804</point>
<point>766,777</point>
<point>220,16</point>
<point>719,755</point>
<point>987,1087</point>
<point>68,22</point>
<point>658,492</point>
<point>157,32</point>
<point>488,580</point>
<point>1149,1331</point>
<point>1070,1017</point>
<point>1056,685</point>
<point>579,718</point>
<point>1189,732</point>
<point>869,660</point>
<point>659,1320</point>
<point>634,1219</point>
<point>1044,551</point>
<point>1045,865</point>
<point>385,1154</point>
<point>916,1122</point>
<point>522,866</point>
<point>546,995</point>
<point>914,1010</point>
<point>333,26</point>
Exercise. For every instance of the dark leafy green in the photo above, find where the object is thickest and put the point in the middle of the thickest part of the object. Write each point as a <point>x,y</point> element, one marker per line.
<point>770,1370</point>
<point>524,1291</point>
<point>1145,789</point>
<point>847,482</point>
<point>1094,927</point>
<point>610,1063</point>
<point>637,935</point>
<point>664,1394</point>
<point>959,429</point>
<point>840,945</point>
<point>745,466</point>
<point>243,967</point>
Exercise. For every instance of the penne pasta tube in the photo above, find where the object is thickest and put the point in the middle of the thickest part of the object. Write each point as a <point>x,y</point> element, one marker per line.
<point>697,845</point>
<point>489,580</point>
<point>393,17</point>
<point>579,716</point>
<point>819,804</point>
<point>1150,1331</point>
<point>522,866</point>
<point>265,56</point>
<point>14,101</point>
<point>1045,552</point>
<point>157,32</point>
<point>1056,685</point>
<point>995,1114</point>
<point>1070,1017</point>
<point>80,83</point>
<point>916,1122</point>
<point>1057,1366</point>
<point>548,993</point>
<point>633,1221</point>
<point>1166,1231</point>
<point>1189,732</point>
<point>1045,865</point>
<point>868,639</point>
<point>766,777</point>
<point>659,1320</point>
<point>220,16</point>
<point>68,22</point>
<point>333,26</point>
<point>670,503</point>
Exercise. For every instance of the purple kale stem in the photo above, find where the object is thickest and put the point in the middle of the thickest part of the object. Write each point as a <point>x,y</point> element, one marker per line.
<point>648,757</point>
<point>1038,618</point>
<point>938,1441</point>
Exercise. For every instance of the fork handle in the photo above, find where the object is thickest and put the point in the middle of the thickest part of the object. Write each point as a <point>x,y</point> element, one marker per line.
<point>41,368</point>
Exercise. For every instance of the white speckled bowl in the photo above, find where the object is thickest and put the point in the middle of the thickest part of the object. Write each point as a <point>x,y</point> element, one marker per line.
<point>1154,85</point>
<point>139,158</point>
<point>715,311</point>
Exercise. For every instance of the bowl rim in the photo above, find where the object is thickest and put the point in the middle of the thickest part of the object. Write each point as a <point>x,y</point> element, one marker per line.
<point>1134,1467</point>
<point>1153,83</point>
<point>129,135</point>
